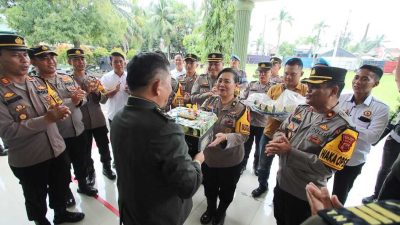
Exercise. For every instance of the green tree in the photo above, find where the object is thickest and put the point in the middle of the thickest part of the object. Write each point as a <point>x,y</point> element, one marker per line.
<point>282,18</point>
<point>162,16</point>
<point>219,23</point>
<point>134,16</point>
<point>73,21</point>
<point>286,49</point>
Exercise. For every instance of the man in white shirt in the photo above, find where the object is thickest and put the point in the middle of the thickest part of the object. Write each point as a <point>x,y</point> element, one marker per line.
<point>115,84</point>
<point>179,69</point>
<point>369,116</point>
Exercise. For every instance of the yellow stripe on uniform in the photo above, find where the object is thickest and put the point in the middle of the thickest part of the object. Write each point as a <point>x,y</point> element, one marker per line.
<point>54,99</point>
<point>364,216</point>
<point>384,212</point>
<point>375,214</point>
<point>242,125</point>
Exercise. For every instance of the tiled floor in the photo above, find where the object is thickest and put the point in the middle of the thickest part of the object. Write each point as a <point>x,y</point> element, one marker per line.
<point>244,210</point>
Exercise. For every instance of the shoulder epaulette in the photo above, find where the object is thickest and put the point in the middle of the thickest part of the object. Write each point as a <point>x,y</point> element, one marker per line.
<point>164,115</point>
<point>5,81</point>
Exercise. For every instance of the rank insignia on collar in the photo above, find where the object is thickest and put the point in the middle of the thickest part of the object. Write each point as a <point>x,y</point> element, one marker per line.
<point>5,81</point>
<point>20,107</point>
<point>23,116</point>
<point>324,127</point>
<point>9,94</point>
<point>330,114</point>
<point>367,113</point>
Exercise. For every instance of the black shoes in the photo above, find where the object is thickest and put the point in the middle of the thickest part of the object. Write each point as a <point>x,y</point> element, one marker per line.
<point>91,178</point>
<point>3,151</point>
<point>70,199</point>
<point>369,199</point>
<point>219,219</point>
<point>206,217</point>
<point>258,192</point>
<point>42,222</point>
<point>87,190</point>
<point>107,171</point>
<point>68,217</point>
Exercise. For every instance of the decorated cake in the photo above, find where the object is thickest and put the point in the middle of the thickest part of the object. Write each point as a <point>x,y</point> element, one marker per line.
<point>194,122</point>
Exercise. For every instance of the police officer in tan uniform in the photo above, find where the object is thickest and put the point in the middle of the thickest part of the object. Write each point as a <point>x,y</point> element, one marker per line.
<point>204,85</point>
<point>187,80</point>
<point>93,118</point>
<point>28,125</point>
<point>257,121</point>
<point>276,66</point>
<point>72,128</point>
<point>223,157</point>
<point>316,140</point>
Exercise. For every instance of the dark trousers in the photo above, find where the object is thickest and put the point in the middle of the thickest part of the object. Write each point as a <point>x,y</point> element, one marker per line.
<point>288,209</point>
<point>109,122</point>
<point>75,147</point>
<point>49,177</point>
<point>344,180</point>
<point>391,186</point>
<point>264,163</point>
<point>391,151</point>
<point>255,133</point>
<point>100,136</point>
<point>220,182</point>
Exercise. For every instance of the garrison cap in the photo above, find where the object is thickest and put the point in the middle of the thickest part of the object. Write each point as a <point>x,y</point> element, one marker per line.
<point>192,57</point>
<point>264,66</point>
<point>12,42</point>
<point>322,74</point>
<point>235,57</point>
<point>215,57</point>
<point>41,50</point>
<point>75,52</point>
<point>275,60</point>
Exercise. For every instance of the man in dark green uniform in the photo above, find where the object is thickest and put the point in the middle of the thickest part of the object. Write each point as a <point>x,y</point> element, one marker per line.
<point>156,176</point>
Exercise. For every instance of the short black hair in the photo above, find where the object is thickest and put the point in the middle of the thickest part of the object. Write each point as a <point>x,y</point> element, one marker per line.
<point>143,68</point>
<point>230,70</point>
<point>378,72</point>
<point>116,54</point>
<point>294,62</point>
<point>333,84</point>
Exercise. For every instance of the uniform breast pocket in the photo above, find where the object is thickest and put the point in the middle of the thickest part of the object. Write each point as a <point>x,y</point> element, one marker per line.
<point>363,122</point>
<point>227,124</point>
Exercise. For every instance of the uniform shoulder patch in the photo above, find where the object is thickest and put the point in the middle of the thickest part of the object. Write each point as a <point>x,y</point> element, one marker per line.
<point>381,212</point>
<point>242,125</point>
<point>337,152</point>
